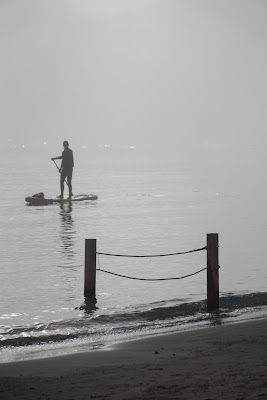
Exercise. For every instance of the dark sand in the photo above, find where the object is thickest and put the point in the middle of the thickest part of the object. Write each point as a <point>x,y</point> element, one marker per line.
<point>222,362</point>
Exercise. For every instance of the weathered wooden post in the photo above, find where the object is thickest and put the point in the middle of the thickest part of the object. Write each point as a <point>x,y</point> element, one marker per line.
<point>212,271</point>
<point>90,268</point>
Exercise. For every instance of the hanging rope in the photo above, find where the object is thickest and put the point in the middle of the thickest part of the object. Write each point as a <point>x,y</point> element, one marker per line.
<point>156,255</point>
<point>147,279</point>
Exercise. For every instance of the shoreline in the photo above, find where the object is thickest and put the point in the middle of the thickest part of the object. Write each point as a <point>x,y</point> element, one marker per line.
<point>227,361</point>
<point>76,346</point>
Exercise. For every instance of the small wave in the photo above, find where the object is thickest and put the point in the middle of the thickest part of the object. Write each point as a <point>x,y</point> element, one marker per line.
<point>159,315</point>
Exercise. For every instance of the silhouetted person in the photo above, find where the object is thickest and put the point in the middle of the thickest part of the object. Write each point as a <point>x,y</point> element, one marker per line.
<point>66,168</point>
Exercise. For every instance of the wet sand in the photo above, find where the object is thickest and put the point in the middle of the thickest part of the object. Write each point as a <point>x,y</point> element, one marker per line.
<point>221,362</point>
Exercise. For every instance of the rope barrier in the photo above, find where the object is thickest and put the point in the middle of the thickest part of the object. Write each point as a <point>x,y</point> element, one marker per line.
<point>92,265</point>
<point>155,255</point>
<point>150,279</point>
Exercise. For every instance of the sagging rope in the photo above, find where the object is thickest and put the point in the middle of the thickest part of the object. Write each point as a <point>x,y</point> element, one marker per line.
<point>151,279</point>
<point>155,255</point>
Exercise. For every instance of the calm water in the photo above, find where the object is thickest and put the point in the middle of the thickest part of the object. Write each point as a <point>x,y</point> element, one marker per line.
<point>155,206</point>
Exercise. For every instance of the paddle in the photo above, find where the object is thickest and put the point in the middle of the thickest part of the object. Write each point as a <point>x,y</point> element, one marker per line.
<point>57,166</point>
<point>60,172</point>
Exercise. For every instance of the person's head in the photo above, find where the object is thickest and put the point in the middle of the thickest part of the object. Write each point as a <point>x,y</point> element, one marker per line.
<point>65,144</point>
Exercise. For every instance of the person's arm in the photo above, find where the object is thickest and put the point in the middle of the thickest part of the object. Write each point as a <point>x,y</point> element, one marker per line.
<point>56,158</point>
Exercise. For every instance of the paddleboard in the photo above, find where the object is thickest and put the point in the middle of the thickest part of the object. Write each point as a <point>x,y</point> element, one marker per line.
<point>39,199</point>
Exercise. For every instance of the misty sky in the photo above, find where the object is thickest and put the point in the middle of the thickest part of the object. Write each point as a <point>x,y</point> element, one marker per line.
<point>141,72</point>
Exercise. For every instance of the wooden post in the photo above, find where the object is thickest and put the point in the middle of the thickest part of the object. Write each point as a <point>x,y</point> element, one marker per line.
<point>90,268</point>
<point>212,272</point>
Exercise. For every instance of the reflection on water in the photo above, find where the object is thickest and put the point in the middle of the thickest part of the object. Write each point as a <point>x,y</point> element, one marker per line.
<point>67,230</point>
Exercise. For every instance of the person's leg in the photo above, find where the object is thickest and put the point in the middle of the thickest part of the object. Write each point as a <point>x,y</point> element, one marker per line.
<point>69,178</point>
<point>62,179</point>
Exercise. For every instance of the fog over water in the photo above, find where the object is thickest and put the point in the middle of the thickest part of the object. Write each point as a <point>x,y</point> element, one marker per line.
<point>184,76</point>
<point>164,105</point>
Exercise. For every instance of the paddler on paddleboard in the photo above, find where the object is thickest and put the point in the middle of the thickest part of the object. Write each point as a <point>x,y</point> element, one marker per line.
<point>65,169</point>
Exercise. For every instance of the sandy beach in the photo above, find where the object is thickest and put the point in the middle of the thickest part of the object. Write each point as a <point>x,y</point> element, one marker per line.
<point>220,362</point>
